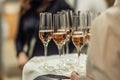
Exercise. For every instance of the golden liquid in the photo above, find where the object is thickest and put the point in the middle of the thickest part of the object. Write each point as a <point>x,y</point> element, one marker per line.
<point>87,37</point>
<point>59,37</point>
<point>45,35</point>
<point>78,40</point>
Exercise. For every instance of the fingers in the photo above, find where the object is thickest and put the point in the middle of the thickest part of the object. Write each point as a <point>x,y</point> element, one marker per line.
<point>22,60</point>
<point>20,67</point>
<point>75,76</point>
<point>74,73</point>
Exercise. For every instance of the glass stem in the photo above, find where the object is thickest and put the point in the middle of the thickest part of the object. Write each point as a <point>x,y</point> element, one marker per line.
<point>63,50</point>
<point>45,54</point>
<point>79,51</point>
<point>60,51</point>
<point>45,50</point>
<point>78,62</point>
<point>67,47</point>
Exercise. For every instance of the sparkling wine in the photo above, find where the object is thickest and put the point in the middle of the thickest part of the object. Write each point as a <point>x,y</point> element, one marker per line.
<point>87,37</point>
<point>88,34</point>
<point>45,35</point>
<point>88,29</point>
<point>59,37</point>
<point>78,39</point>
<point>68,33</point>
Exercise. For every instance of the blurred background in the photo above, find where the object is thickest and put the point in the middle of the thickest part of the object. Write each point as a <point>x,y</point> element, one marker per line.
<point>9,21</point>
<point>9,16</point>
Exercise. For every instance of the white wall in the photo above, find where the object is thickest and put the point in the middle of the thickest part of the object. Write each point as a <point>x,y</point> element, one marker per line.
<point>92,5</point>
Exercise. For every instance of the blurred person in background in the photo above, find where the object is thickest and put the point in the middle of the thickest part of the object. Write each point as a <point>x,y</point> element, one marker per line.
<point>28,28</point>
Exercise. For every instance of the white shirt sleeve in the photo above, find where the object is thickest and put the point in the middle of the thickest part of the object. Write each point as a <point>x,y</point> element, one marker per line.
<point>104,50</point>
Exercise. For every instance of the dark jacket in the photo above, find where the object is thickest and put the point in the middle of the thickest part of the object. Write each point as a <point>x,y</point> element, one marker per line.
<point>28,28</point>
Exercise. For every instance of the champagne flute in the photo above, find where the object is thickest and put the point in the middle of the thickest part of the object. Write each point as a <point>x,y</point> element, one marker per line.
<point>78,37</point>
<point>45,31</point>
<point>68,18</point>
<point>68,29</point>
<point>77,34</point>
<point>89,21</point>
<point>59,34</point>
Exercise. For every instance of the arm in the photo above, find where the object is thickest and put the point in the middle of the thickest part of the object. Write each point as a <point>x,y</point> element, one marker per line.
<point>20,38</point>
<point>20,41</point>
